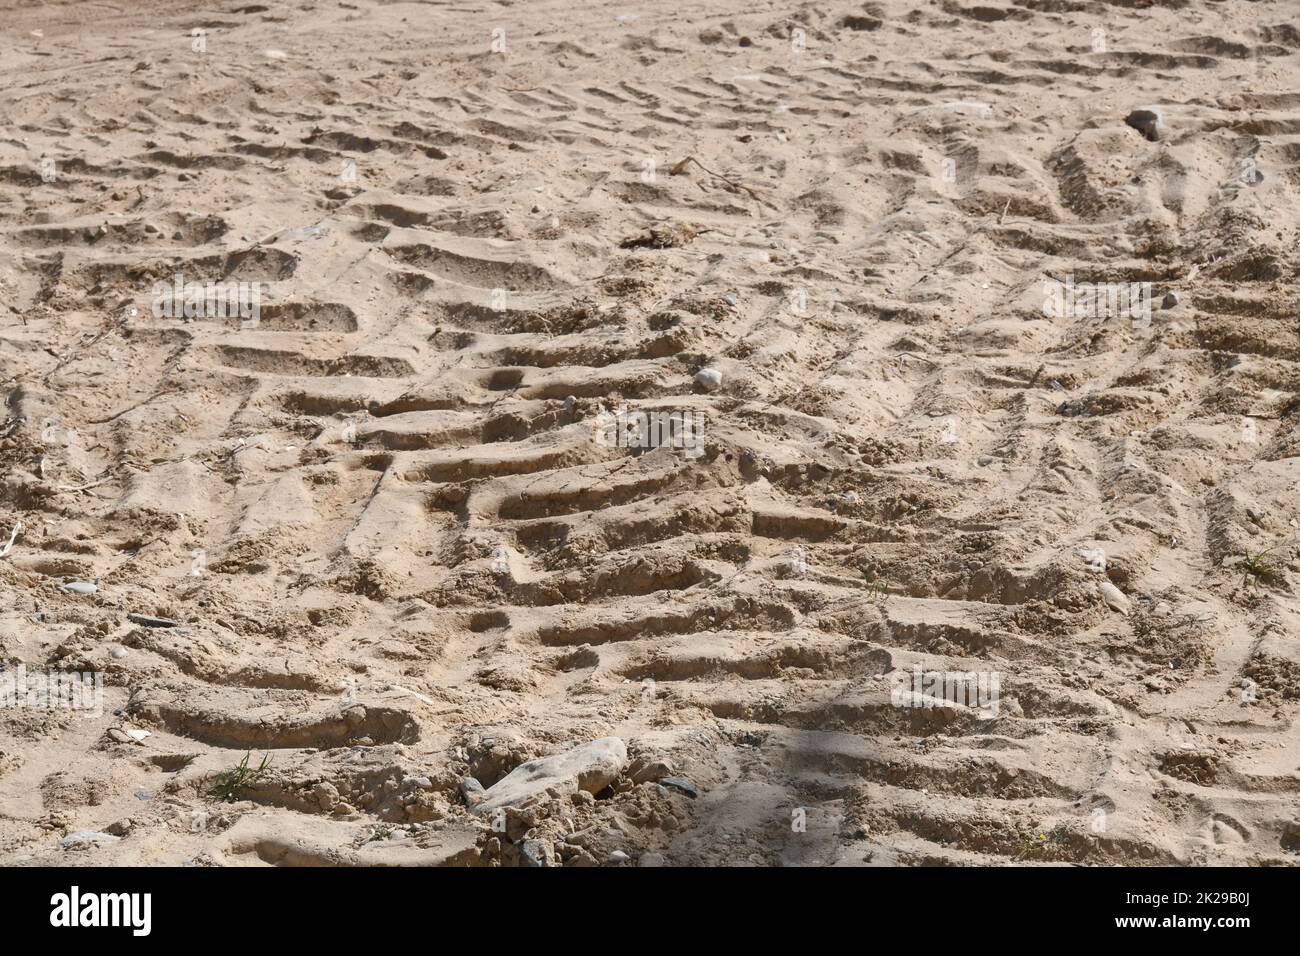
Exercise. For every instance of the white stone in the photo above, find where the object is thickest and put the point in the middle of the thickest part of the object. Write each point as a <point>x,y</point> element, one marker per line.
<point>1113,596</point>
<point>591,768</point>
<point>710,378</point>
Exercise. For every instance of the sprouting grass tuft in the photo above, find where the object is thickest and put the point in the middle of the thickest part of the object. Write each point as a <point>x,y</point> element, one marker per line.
<point>1032,847</point>
<point>227,785</point>
<point>877,593</point>
<point>1256,568</point>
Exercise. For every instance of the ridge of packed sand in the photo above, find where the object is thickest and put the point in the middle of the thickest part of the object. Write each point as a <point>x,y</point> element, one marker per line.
<point>406,559</point>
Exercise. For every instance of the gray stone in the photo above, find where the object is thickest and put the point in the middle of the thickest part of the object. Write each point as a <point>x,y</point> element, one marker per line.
<point>681,784</point>
<point>535,853</point>
<point>146,620</point>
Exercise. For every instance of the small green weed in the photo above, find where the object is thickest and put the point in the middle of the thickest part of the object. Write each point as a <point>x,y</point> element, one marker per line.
<point>227,785</point>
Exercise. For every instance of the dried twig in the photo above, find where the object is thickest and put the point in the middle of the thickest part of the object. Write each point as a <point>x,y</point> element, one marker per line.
<point>85,487</point>
<point>679,168</point>
<point>919,358</point>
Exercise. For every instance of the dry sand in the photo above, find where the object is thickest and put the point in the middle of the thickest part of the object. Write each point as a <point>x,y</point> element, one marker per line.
<point>400,552</point>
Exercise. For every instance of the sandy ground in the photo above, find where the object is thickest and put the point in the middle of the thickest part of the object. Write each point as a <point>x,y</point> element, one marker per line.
<point>399,556</point>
